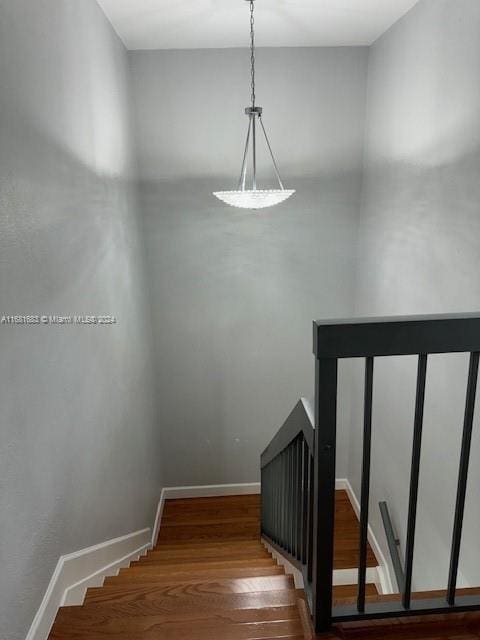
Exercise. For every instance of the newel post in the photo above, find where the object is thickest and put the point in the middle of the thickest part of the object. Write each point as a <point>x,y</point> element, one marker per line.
<point>326,370</point>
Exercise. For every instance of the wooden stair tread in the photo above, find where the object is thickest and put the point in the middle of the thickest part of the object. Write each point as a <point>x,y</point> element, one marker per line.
<point>205,554</point>
<point>192,564</point>
<point>187,631</point>
<point>203,559</point>
<point>245,631</point>
<point>202,546</point>
<point>350,596</point>
<point>208,577</point>
<point>230,530</point>
<point>345,552</point>
<point>238,625</point>
<point>205,520</point>
<point>92,615</point>
<point>194,577</point>
<point>425,595</point>
<point>210,604</point>
<point>463,626</point>
<point>250,513</point>
<point>205,544</point>
<point>147,591</point>
<point>192,560</point>
<point>221,502</point>
<point>347,593</point>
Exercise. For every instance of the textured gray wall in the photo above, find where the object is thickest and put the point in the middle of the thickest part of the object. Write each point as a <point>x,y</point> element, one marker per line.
<point>234,293</point>
<point>79,451</point>
<point>419,252</point>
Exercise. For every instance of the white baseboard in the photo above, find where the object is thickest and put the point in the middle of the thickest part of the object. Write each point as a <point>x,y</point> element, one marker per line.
<point>384,580</point>
<point>158,519</point>
<point>77,571</point>
<point>212,490</point>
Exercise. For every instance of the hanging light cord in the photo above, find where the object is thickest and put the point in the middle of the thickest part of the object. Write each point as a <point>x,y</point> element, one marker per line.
<point>252,49</point>
<point>253,114</point>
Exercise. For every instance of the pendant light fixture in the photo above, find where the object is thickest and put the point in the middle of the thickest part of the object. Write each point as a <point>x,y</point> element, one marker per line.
<point>254,198</point>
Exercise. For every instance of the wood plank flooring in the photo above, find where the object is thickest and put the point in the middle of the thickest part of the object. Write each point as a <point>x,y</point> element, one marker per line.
<point>209,577</point>
<point>347,533</point>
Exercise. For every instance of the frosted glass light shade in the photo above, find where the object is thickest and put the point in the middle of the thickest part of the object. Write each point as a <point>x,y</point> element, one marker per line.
<point>254,199</point>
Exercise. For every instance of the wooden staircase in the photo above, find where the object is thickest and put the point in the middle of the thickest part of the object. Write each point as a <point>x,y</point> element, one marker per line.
<point>210,577</point>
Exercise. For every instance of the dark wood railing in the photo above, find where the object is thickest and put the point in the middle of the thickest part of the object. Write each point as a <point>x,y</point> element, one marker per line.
<point>298,467</point>
<point>287,491</point>
<point>393,543</point>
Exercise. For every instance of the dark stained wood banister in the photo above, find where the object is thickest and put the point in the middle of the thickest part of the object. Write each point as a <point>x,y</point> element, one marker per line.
<point>298,467</point>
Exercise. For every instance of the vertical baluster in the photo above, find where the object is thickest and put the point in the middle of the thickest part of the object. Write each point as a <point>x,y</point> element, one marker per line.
<point>266,496</point>
<point>290,501</point>
<point>266,499</point>
<point>294,501</point>
<point>365,493</point>
<point>277,491</point>
<point>287,505</point>
<point>298,535</point>
<point>271,481</point>
<point>311,510</point>
<point>262,499</point>
<point>283,525</point>
<point>415,470</point>
<point>271,500</point>
<point>278,498</point>
<point>287,496</point>
<point>463,476</point>
<point>306,457</point>
<point>326,372</point>
<point>301,503</point>
<point>293,522</point>
<point>278,522</point>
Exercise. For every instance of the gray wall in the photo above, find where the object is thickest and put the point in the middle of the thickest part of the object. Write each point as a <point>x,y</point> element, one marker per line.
<point>79,451</point>
<point>234,293</point>
<point>419,252</point>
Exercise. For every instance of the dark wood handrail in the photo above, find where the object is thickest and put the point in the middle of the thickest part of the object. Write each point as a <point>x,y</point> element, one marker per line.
<point>298,422</point>
<point>393,545</point>
<point>298,466</point>
<point>395,336</point>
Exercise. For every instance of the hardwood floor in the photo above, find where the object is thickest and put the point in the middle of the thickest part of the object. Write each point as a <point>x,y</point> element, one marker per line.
<point>347,532</point>
<point>210,578</point>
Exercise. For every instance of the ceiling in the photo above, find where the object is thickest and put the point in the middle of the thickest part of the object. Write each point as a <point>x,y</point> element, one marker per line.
<point>192,24</point>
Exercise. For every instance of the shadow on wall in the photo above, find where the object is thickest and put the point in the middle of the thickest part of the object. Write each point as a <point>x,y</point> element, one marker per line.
<point>234,295</point>
<point>418,238</point>
<point>419,253</point>
<point>78,439</point>
<point>71,396</point>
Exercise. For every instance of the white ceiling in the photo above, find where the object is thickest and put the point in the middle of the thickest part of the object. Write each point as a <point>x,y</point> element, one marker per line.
<point>191,24</point>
